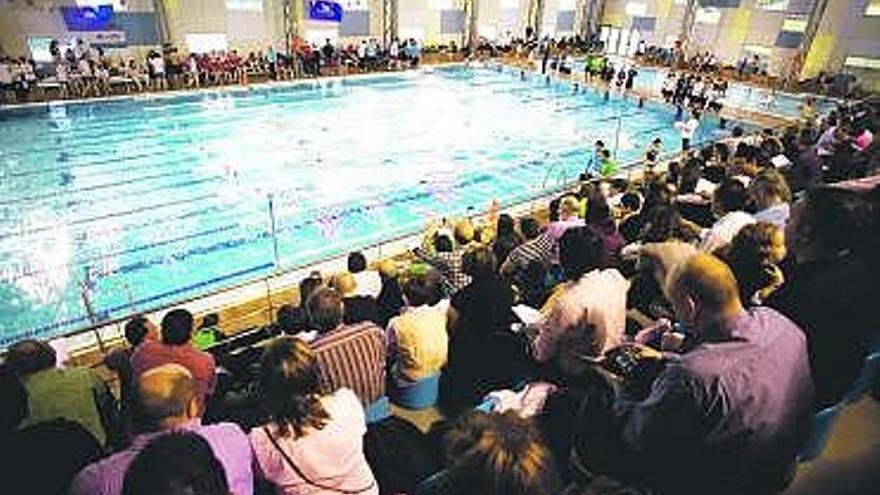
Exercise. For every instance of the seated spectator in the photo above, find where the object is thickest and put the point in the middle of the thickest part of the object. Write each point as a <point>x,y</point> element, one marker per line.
<point>179,463</point>
<point>728,205</point>
<point>176,347</point>
<point>735,408</point>
<point>537,248</point>
<point>136,330</point>
<point>390,300</point>
<point>295,318</point>
<point>166,400</point>
<point>569,207</point>
<point>630,221</point>
<point>40,459</point>
<point>417,339</point>
<point>754,257</point>
<point>358,308</point>
<point>769,197</point>
<point>446,252</point>
<point>75,394</point>
<point>368,282</point>
<point>479,319</point>
<point>314,442</point>
<point>506,237</point>
<point>209,332</point>
<point>349,356</point>
<point>586,314</point>
<point>599,219</point>
<point>831,284</point>
<point>496,454</point>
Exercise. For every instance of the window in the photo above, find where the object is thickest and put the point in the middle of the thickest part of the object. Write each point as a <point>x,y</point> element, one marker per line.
<point>203,43</point>
<point>862,62</point>
<point>795,24</point>
<point>567,4</point>
<point>443,4</point>
<point>773,5</point>
<point>509,5</point>
<point>873,8</point>
<point>636,9</point>
<point>248,5</point>
<point>707,15</point>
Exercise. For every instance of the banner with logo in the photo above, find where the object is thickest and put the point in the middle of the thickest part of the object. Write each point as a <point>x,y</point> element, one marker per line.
<point>324,10</point>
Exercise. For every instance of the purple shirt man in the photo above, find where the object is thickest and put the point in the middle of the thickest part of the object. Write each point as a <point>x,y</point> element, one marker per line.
<point>227,440</point>
<point>166,399</point>
<point>729,415</point>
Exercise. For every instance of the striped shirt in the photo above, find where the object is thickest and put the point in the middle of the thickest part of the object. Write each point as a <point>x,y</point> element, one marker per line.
<point>353,356</point>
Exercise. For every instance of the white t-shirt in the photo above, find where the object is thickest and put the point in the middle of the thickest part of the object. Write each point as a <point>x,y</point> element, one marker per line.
<point>724,230</point>
<point>85,69</point>
<point>158,65</point>
<point>687,129</point>
<point>369,283</point>
<point>5,73</point>
<point>332,457</point>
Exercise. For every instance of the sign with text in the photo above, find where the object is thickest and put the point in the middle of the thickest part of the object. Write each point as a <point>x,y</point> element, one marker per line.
<point>102,38</point>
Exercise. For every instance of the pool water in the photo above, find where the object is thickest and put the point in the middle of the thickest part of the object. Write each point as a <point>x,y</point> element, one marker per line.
<point>110,208</point>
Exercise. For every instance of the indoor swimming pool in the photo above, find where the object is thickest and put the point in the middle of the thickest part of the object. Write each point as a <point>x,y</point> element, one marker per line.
<point>110,208</point>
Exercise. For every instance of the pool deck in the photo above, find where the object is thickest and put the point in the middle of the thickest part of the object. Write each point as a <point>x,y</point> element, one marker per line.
<point>762,119</point>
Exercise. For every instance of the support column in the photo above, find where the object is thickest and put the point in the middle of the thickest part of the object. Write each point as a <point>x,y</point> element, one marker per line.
<point>535,16</point>
<point>389,22</point>
<point>817,12</point>
<point>162,21</point>
<point>589,17</point>
<point>292,11</point>
<point>687,23</point>
<point>471,14</point>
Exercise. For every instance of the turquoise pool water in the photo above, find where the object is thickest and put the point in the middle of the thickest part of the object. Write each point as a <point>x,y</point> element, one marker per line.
<point>114,207</point>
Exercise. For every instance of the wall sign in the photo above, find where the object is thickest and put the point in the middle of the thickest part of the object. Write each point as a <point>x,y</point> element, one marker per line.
<point>324,10</point>
<point>87,18</point>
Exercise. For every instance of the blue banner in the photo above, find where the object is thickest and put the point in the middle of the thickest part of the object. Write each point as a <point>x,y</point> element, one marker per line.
<point>87,18</point>
<point>325,10</point>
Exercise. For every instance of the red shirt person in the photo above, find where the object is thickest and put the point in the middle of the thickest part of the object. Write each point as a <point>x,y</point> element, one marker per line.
<point>176,347</point>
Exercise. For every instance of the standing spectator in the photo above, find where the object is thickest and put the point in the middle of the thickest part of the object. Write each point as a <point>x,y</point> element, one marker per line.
<point>314,442</point>
<point>166,399</point>
<point>687,129</point>
<point>176,347</point>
